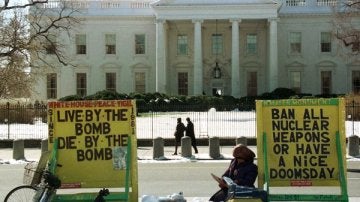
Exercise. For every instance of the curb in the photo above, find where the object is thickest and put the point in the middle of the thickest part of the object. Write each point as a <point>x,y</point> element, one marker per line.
<point>36,143</point>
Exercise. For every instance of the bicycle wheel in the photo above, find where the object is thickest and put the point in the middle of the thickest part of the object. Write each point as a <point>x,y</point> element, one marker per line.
<point>24,193</point>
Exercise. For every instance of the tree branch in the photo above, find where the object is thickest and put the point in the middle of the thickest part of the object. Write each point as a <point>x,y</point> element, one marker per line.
<point>25,40</point>
<point>6,5</point>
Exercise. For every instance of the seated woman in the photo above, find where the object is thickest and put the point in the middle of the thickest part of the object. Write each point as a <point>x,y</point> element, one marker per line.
<point>242,171</point>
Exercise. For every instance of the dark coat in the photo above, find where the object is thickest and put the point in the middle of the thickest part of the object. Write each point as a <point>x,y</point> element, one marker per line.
<point>243,174</point>
<point>179,132</point>
<point>190,129</point>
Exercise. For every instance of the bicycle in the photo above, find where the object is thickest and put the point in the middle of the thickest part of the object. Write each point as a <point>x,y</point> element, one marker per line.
<point>43,183</point>
<point>44,191</point>
<point>42,187</point>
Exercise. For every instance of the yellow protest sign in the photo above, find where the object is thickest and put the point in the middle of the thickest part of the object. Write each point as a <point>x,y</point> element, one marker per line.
<point>93,138</point>
<point>301,142</point>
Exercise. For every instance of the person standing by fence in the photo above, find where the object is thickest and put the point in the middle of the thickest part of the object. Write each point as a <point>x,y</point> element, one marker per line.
<point>179,133</point>
<point>190,133</point>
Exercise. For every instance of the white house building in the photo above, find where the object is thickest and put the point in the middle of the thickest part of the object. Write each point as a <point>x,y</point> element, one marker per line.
<point>193,47</point>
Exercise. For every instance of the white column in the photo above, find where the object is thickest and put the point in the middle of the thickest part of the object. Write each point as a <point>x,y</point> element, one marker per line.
<point>160,57</point>
<point>198,64</point>
<point>235,64</point>
<point>273,55</point>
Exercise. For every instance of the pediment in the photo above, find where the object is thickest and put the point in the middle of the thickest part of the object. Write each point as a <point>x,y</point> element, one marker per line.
<point>326,63</point>
<point>296,64</point>
<point>251,64</point>
<point>110,65</point>
<point>182,64</point>
<point>354,63</point>
<point>139,65</point>
<point>82,66</point>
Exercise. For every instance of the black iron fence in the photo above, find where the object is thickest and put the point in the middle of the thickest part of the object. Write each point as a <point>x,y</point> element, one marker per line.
<point>29,121</point>
<point>23,121</point>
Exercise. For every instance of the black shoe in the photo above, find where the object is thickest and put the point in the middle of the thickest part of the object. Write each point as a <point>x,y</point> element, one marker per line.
<point>174,153</point>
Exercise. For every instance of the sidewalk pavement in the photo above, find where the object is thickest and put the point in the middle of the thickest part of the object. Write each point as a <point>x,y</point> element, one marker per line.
<point>146,154</point>
<point>143,153</point>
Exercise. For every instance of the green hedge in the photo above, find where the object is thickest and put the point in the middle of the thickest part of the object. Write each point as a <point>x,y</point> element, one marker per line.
<point>28,113</point>
<point>162,102</point>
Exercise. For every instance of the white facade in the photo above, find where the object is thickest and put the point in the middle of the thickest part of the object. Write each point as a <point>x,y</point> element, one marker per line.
<point>265,44</point>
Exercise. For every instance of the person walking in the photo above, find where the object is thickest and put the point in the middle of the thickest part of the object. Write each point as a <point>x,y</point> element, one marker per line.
<point>190,133</point>
<point>179,133</point>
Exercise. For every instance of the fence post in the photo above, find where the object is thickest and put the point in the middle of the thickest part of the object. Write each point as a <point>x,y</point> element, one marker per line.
<point>158,147</point>
<point>186,146</point>
<point>18,149</point>
<point>214,147</point>
<point>8,118</point>
<point>44,145</point>
<point>241,140</point>
<point>353,145</point>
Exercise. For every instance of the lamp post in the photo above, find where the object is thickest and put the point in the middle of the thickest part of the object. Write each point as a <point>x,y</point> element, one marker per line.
<point>217,71</point>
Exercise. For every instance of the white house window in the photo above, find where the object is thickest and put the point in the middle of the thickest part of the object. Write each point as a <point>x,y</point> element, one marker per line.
<point>80,41</point>
<point>251,43</point>
<point>295,42</point>
<point>140,82</point>
<point>326,2</point>
<point>356,82</point>
<point>110,43</point>
<point>81,84</point>
<point>295,81</point>
<point>182,44</point>
<point>140,44</point>
<point>326,82</point>
<point>295,2</point>
<point>111,81</point>
<point>325,42</point>
<point>51,85</point>
<point>252,83</point>
<point>183,83</point>
<point>217,44</point>
<point>51,45</point>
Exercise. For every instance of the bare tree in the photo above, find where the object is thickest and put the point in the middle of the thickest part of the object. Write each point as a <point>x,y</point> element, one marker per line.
<point>347,25</point>
<point>28,33</point>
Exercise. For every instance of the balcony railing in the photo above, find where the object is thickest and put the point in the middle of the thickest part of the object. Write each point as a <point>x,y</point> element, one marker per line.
<point>292,3</point>
<point>109,4</point>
